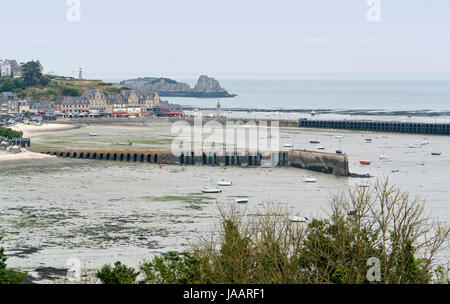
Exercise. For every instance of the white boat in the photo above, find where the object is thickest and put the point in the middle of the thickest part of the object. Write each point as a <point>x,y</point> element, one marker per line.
<point>211,191</point>
<point>298,219</point>
<point>338,136</point>
<point>242,201</point>
<point>413,147</point>
<point>310,180</point>
<point>223,183</point>
<point>383,156</point>
<point>92,134</point>
<point>288,146</point>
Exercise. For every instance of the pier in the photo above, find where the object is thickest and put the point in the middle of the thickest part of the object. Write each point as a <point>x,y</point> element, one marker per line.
<point>379,126</point>
<point>316,161</point>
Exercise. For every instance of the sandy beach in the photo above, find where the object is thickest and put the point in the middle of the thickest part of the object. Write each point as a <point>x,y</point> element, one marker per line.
<point>32,131</point>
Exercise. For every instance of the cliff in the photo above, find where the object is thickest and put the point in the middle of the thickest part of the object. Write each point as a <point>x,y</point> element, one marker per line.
<point>206,87</point>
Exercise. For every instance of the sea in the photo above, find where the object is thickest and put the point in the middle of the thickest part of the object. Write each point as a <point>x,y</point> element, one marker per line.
<point>389,94</point>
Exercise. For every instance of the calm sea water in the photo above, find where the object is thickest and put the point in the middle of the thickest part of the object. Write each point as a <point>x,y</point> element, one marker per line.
<point>334,94</point>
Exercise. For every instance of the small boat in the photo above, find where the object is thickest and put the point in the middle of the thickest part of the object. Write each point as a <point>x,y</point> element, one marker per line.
<point>368,140</point>
<point>163,165</point>
<point>242,201</point>
<point>338,151</point>
<point>383,156</point>
<point>413,146</point>
<point>436,153</point>
<point>338,136</point>
<point>92,134</point>
<point>298,219</point>
<point>223,183</point>
<point>314,142</point>
<point>313,113</point>
<point>310,180</point>
<point>362,185</point>
<point>365,162</point>
<point>211,191</point>
<point>288,146</point>
<point>424,143</point>
<point>320,148</point>
<point>351,213</point>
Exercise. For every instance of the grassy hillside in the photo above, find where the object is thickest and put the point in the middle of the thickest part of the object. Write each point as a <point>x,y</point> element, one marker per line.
<point>56,86</point>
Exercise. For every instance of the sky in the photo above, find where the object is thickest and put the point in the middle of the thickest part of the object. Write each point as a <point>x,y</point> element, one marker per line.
<point>227,38</point>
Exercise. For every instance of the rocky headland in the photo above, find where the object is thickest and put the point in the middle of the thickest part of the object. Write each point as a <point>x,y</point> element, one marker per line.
<point>206,87</point>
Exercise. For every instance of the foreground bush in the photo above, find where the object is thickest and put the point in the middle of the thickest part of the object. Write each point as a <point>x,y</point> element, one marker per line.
<point>383,223</point>
<point>8,276</point>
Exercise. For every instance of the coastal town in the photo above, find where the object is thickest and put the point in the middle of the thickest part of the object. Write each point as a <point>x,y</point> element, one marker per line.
<point>93,103</point>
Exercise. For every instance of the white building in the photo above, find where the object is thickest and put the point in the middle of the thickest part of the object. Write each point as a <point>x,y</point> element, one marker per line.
<point>5,68</point>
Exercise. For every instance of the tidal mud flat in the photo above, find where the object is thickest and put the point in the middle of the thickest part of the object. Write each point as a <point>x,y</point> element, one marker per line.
<point>54,209</point>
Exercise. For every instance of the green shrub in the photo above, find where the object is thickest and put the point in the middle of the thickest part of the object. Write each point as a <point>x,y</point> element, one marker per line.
<point>10,133</point>
<point>120,274</point>
<point>9,276</point>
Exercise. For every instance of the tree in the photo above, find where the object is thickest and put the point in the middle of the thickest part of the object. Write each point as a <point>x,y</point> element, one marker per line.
<point>32,74</point>
<point>8,276</point>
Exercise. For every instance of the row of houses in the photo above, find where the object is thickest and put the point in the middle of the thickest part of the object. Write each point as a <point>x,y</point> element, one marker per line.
<point>10,68</point>
<point>93,103</point>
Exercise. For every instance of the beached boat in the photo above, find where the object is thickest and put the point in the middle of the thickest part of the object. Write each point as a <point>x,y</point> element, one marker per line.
<point>92,134</point>
<point>298,219</point>
<point>241,201</point>
<point>224,183</point>
<point>314,142</point>
<point>310,180</point>
<point>365,162</point>
<point>211,191</point>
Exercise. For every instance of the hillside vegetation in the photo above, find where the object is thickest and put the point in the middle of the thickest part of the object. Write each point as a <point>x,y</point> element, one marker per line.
<point>48,87</point>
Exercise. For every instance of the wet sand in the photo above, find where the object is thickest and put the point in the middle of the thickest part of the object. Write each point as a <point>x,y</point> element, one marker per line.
<point>102,212</point>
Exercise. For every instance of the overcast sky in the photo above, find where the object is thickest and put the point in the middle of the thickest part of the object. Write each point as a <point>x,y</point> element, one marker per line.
<point>185,38</point>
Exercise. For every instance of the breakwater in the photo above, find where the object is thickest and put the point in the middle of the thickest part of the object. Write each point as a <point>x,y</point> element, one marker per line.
<point>316,161</point>
<point>379,126</point>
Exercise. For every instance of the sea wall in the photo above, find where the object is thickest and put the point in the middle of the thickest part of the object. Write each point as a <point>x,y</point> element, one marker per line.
<point>336,164</point>
<point>320,162</point>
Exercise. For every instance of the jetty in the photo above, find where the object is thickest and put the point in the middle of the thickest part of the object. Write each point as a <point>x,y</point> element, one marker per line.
<point>328,163</point>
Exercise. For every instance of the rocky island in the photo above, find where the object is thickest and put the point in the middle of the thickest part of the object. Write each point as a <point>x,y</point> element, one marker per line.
<point>206,87</point>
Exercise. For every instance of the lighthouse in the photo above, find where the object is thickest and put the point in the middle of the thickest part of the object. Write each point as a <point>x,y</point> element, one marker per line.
<point>218,114</point>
